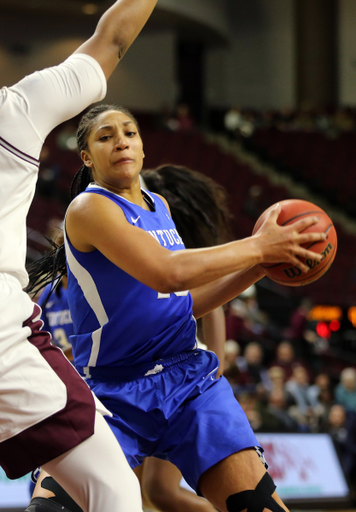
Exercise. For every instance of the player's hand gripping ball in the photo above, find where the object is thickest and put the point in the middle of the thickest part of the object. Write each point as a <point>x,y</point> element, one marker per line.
<point>293,210</point>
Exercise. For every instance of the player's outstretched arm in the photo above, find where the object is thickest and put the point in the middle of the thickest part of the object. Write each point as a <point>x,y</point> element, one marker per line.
<point>117,29</point>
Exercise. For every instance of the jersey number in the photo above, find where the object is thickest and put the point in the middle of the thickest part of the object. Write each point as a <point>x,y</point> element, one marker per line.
<point>167,295</point>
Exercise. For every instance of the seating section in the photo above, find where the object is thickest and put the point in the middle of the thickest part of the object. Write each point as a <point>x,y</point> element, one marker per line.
<point>326,164</point>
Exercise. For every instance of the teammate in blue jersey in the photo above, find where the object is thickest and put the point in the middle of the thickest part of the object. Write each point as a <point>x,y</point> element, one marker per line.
<point>56,316</point>
<point>134,318</point>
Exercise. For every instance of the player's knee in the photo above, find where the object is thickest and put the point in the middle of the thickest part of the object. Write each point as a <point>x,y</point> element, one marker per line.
<point>255,500</point>
<point>45,505</point>
<point>61,497</point>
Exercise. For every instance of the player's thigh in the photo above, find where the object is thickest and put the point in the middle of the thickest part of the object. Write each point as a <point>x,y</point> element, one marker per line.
<point>160,476</point>
<point>237,473</point>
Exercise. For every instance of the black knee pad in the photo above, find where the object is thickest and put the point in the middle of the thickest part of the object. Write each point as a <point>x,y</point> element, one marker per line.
<point>61,497</point>
<point>256,500</point>
<point>45,505</point>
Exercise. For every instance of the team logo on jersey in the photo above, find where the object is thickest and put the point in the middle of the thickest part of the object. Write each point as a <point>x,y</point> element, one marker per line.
<point>158,368</point>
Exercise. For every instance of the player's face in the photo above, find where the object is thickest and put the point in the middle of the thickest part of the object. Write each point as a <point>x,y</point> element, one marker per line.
<point>115,151</point>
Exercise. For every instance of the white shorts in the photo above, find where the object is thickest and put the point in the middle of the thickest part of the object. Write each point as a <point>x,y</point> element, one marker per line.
<point>40,391</point>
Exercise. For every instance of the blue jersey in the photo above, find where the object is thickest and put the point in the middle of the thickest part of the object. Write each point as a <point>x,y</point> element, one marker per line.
<point>118,321</point>
<point>56,316</point>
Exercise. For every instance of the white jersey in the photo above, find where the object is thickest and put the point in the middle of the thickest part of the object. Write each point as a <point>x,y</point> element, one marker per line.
<point>29,111</point>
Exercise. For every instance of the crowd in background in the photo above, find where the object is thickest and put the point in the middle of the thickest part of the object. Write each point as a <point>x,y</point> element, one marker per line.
<point>240,122</point>
<point>283,383</point>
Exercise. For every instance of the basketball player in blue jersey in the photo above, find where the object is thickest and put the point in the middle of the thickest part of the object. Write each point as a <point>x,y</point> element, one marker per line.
<point>199,209</point>
<point>134,318</point>
<point>48,416</point>
<point>56,316</point>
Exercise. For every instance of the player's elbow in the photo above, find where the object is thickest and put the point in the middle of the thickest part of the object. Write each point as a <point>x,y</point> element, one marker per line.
<point>170,281</point>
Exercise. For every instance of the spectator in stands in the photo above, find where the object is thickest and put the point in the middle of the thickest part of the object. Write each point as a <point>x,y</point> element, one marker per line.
<point>245,322</point>
<point>182,120</point>
<point>67,136</point>
<point>253,373</point>
<point>321,397</point>
<point>231,370</point>
<point>298,331</point>
<point>345,391</point>
<point>341,425</point>
<point>232,122</point>
<point>276,377</point>
<point>317,391</point>
<point>285,358</point>
<point>278,407</point>
<point>336,427</point>
<point>298,389</point>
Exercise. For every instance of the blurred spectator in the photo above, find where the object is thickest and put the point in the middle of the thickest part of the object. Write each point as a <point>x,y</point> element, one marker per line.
<point>182,120</point>
<point>245,322</point>
<point>278,407</point>
<point>341,426</point>
<point>299,388</point>
<point>248,402</point>
<point>285,358</point>
<point>320,389</point>
<point>321,397</point>
<point>345,391</point>
<point>66,138</point>
<point>252,370</point>
<point>277,378</point>
<point>298,332</point>
<point>232,122</point>
<point>259,414</point>
<point>231,370</point>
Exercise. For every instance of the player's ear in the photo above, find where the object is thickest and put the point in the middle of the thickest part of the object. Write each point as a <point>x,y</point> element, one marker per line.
<point>86,158</point>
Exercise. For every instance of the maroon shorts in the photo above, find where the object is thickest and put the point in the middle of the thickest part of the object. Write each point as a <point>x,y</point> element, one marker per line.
<point>63,430</point>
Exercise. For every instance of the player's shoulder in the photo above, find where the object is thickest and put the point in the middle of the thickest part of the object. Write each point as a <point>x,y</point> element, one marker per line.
<point>162,200</point>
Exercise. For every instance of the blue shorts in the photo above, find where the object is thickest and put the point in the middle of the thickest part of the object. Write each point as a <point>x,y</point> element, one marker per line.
<point>175,409</point>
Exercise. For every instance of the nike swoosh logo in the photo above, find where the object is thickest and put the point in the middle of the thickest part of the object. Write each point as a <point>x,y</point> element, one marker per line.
<point>135,220</point>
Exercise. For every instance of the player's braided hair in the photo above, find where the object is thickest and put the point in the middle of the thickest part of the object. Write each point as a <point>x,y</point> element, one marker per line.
<point>52,266</point>
<point>197,203</point>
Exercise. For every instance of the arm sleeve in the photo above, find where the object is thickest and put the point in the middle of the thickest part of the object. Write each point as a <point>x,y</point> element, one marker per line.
<point>49,97</point>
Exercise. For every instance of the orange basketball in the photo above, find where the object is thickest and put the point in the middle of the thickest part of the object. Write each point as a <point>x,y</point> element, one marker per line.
<point>292,211</point>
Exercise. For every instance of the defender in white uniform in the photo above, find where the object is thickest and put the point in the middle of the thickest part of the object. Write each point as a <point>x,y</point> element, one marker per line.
<point>47,413</point>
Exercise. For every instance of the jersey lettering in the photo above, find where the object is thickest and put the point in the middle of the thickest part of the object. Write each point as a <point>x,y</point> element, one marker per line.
<point>166,235</point>
<point>167,295</point>
<point>59,317</point>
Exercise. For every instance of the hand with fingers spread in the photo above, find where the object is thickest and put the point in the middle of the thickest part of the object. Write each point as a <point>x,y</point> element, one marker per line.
<point>286,243</point>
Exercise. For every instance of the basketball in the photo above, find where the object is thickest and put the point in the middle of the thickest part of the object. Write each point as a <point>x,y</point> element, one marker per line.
<point>292,211</point>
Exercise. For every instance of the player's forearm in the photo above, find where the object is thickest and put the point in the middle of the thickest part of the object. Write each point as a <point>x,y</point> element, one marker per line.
<point>210,296</point>
<point>194,268</point>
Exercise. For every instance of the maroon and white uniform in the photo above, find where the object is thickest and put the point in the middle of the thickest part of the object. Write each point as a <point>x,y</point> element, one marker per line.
<point>31,392</point>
